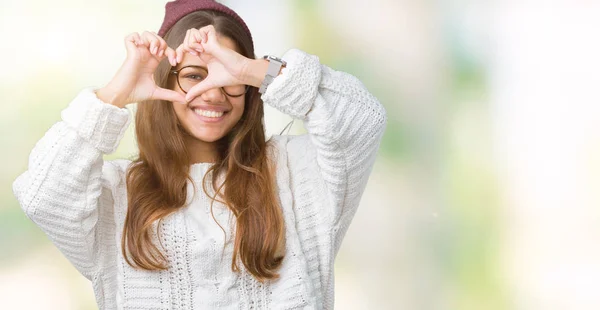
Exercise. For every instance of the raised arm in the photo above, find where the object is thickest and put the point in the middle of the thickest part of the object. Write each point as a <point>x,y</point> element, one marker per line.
<point>61,188</point>
<point>345,124</point>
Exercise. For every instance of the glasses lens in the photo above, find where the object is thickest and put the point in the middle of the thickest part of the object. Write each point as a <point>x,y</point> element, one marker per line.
<point>190,76</point>
<point>235,90</point>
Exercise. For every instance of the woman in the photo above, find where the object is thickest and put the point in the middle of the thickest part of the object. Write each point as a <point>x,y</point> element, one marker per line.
<point>263,231</point>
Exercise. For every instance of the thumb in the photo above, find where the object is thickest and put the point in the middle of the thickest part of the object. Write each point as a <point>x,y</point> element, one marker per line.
<point>168,95</point>
<point>131,43</point>
<point>199,89</point>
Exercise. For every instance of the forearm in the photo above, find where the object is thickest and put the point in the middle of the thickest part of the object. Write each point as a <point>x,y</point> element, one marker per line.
<point>60,190</point>
<point>110,96</point>
<point>345,124</point>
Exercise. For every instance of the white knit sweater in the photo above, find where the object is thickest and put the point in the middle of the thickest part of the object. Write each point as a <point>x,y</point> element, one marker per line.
<point>80,201</point>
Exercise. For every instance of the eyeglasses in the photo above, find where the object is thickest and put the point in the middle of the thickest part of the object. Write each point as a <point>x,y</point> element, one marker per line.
<point>189,76</point>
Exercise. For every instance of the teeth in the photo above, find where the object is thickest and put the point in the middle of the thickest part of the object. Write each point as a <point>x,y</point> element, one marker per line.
<point>206,113</point>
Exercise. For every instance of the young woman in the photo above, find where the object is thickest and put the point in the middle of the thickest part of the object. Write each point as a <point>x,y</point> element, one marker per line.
<point>210,214</point>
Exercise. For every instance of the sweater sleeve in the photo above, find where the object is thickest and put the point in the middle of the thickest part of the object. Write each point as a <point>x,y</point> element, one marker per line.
<point>61,188</point>
<point>345,124</point>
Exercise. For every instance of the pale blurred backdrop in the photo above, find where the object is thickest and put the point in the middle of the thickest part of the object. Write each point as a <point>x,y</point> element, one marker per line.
<point>484,194</point>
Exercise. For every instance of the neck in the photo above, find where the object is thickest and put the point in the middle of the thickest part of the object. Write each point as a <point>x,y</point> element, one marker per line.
<point>201,151</point>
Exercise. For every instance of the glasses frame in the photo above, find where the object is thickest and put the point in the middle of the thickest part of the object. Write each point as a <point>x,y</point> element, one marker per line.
<point>176,73</point>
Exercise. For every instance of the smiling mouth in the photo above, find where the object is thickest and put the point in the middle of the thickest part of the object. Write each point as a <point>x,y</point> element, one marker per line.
<point>209,114</point>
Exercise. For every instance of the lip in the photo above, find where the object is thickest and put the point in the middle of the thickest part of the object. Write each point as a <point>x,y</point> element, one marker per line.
<point>209,119</point>
<point>207,107</point>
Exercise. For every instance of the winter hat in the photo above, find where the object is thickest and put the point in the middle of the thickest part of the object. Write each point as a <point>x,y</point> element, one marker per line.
<point>177,9</point>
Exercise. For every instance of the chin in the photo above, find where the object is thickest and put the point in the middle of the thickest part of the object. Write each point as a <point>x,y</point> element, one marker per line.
<point>207,135</point>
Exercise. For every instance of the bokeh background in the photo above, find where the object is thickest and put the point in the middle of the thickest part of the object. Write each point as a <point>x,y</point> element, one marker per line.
<point>484,194</point>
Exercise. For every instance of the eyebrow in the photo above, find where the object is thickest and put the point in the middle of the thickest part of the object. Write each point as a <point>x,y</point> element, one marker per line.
<point>187,65</point>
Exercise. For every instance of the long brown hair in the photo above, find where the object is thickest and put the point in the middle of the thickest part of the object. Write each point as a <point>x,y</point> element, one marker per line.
<point>157,179</point>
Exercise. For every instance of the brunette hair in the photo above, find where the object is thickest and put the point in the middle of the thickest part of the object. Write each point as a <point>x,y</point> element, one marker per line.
<point>157,179</point>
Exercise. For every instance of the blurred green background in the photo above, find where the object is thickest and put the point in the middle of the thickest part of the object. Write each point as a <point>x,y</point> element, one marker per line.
<point>483,195</point>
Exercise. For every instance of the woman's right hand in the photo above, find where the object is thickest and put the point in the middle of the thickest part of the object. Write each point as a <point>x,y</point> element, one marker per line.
<point>134,81</point>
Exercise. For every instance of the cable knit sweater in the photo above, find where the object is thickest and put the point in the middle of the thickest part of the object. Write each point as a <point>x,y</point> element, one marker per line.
<point>80,201</point>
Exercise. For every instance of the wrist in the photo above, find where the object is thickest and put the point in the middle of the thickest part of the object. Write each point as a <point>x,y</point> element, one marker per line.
<point>257,72</point>
<point>109,96</point>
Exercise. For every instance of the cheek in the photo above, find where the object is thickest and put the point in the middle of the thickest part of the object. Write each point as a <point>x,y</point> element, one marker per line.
<point>239,109</point>
<point>180,112</point>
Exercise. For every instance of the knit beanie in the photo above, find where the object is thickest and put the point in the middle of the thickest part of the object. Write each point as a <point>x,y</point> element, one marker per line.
<point>175,10</point>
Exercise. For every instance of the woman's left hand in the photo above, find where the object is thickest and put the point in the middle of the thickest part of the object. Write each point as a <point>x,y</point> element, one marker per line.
<point>225,66</point>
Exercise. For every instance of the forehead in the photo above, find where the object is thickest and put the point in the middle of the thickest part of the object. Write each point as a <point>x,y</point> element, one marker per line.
<point>189,59</point>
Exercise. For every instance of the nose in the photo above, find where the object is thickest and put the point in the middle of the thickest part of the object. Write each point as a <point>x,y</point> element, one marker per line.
<point>213,95</point>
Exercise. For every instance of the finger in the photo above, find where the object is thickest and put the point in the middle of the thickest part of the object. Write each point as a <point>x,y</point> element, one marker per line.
<point>186,38</point>
<point>206,29</point>
<point>208,39</point>
<point>199,89</point>
<point>208,33</point>
<point>172,55</point>
<point>162,44</point>
<point>145,41</point>
<point>196,40</point>
<point>179,52</point>
<point>187,41</point>
<point>196,36</point>
<point>204,35</point>
<point>153,47</point>
<point>168,95</point>
<point>161,48</point>
<point>139,39</point>
<point>187,49</point>
<point>197,47</point>
<point>135,38</point>
<point>130,43</point>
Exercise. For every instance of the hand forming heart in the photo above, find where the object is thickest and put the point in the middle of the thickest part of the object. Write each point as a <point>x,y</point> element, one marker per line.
<point>225,66</point>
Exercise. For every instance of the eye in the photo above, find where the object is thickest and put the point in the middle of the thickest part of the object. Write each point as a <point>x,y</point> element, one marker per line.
<point>194,77</point>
